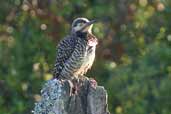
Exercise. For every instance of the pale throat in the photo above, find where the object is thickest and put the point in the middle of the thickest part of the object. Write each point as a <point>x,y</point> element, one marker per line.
<point>88,29</point>
<point>87,32</point>
<point>92,41</point>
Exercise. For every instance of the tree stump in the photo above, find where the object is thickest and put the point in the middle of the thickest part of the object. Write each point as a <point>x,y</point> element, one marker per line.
<point>57,98</point>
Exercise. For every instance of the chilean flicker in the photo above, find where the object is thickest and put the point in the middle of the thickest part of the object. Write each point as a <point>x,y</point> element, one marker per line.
<point>76,52</point>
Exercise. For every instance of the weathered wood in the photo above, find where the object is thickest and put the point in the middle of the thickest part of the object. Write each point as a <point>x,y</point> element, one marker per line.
<point>57,98</point>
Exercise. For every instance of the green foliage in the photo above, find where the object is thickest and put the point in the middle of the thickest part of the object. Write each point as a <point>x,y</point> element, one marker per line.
<point>133,59</point>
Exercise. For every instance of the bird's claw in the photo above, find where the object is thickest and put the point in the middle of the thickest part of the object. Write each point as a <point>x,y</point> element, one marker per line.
<point>93,83</point>
<point>70,85</point>
<point>75,86</point>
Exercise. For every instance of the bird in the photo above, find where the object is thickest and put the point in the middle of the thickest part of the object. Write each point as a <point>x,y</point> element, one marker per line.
<point>76,51</point>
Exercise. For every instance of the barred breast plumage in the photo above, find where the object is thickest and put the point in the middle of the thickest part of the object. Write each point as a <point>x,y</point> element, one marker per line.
<point>74,57</point>
<point>76,52</point>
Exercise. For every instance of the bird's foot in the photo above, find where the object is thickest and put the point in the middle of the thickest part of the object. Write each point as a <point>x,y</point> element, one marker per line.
<point>93,83</point>
<point>69,86</point>
<point>75,88</point>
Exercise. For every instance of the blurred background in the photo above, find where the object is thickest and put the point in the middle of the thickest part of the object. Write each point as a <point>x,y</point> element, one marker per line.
<point>133,59</point>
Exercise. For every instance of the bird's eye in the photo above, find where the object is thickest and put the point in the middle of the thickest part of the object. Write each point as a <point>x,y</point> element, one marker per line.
<point>81,24</point>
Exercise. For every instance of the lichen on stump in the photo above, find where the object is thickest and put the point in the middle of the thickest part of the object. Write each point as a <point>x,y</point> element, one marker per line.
<point>57,98</point>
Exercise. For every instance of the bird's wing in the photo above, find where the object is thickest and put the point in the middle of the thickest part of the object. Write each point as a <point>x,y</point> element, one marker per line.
<point>64,51</point>
<point>75,61</point>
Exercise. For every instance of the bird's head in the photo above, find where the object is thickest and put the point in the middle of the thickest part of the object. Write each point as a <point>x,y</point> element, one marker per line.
<point>82,25</point>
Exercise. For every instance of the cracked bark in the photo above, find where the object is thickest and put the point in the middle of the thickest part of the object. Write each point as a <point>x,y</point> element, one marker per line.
<point>57,98</point>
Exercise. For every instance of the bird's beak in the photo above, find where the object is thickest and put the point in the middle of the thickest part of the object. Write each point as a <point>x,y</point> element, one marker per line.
<point>88,24</point>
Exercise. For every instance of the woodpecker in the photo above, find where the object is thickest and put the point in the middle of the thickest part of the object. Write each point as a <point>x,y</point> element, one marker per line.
<point>76,52</point>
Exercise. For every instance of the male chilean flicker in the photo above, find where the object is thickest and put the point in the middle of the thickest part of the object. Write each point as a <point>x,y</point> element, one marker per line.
<point>76,52</point>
